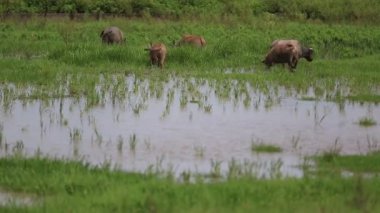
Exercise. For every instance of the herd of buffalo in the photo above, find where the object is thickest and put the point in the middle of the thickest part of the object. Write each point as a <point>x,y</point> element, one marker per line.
<point>281,51</point>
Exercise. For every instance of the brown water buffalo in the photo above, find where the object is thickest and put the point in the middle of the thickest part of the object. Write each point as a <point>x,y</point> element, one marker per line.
<point>195,40</point>
<point>157,53</point>
<point>112,35</point>
<point>287,51</point>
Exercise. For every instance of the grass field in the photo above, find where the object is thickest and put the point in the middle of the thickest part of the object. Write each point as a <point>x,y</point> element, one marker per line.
<point>43,53</point>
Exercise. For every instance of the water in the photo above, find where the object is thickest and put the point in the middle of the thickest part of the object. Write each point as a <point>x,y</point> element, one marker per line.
<point>17,199</point>
<point>187,125</point>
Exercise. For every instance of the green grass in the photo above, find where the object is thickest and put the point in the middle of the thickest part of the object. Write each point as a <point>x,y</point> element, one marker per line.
<point>62,186</point>
<point>356,163</point>
<point>265,148</point>
<point>367,122</point>
<point>308,98</point>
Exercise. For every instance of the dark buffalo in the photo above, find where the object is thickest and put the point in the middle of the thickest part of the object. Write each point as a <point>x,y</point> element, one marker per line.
<point>287,52</point>
<point>112,35</point>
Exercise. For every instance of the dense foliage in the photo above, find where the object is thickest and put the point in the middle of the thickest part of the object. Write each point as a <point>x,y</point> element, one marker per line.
<point>325,10</point>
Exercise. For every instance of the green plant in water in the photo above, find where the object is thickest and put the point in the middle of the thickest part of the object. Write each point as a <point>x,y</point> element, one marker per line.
<point>1,137</point>
<point>367,122</point>
<point>199,151</point>
<point>148,144</point>
<point>18,148</point>
<point>275,169</point>
<point>207,108</point>
<point>120,143</point>
<point>216,171</point>
<point>235,169</point>
<point>186,176</point>
<point>333,152</point>
<point>295,142</point>
<point>261,147</point>
<point>132,142</point>
<point>183,101</point>
<point>75,135</point>
<point>373,145</point>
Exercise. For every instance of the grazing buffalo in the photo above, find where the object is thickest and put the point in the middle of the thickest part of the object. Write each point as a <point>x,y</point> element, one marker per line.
<point>157,53</point>
<point>287,51</point>
<point>112,35</point>
<point>195,40</point>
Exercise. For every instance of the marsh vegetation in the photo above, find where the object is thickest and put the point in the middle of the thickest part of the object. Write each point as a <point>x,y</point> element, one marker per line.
<point>366,122</point>
<point>265,148</point>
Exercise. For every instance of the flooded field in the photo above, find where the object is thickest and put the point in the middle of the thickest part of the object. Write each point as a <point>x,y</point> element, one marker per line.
<point>184,125</point>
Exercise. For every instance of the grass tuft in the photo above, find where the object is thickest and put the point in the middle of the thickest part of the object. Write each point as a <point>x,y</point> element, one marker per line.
<point>367,122</point>
<point>265,148</point>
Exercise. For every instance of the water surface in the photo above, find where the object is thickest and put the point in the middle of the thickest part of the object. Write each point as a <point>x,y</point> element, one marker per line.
<point>185,125</point>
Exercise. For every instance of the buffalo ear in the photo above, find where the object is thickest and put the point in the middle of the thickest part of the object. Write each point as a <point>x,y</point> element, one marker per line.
<point>311,50</point>
<point>102,33</point>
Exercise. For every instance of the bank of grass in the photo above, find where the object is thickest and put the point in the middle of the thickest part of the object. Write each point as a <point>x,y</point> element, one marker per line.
<point>62,186</point>
<point>369,163</point>
<point>42,52</point>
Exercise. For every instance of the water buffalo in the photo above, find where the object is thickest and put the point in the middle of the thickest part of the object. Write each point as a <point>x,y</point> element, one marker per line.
<point>157,53</point>
<point>287,51</point>
<point>195,40</point>
<point>112,35</point>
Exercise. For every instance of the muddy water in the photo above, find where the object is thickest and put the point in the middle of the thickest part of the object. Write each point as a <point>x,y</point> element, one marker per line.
<point>16,199</point>
<point>187,125</point>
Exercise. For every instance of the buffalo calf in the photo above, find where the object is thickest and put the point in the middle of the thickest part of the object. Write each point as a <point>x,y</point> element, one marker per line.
<point>157,53</point>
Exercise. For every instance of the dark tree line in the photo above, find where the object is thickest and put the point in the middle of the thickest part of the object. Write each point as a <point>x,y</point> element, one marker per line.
<point>325,10</point>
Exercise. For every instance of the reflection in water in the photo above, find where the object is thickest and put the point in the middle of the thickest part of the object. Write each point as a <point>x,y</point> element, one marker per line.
<point>195,125</point>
